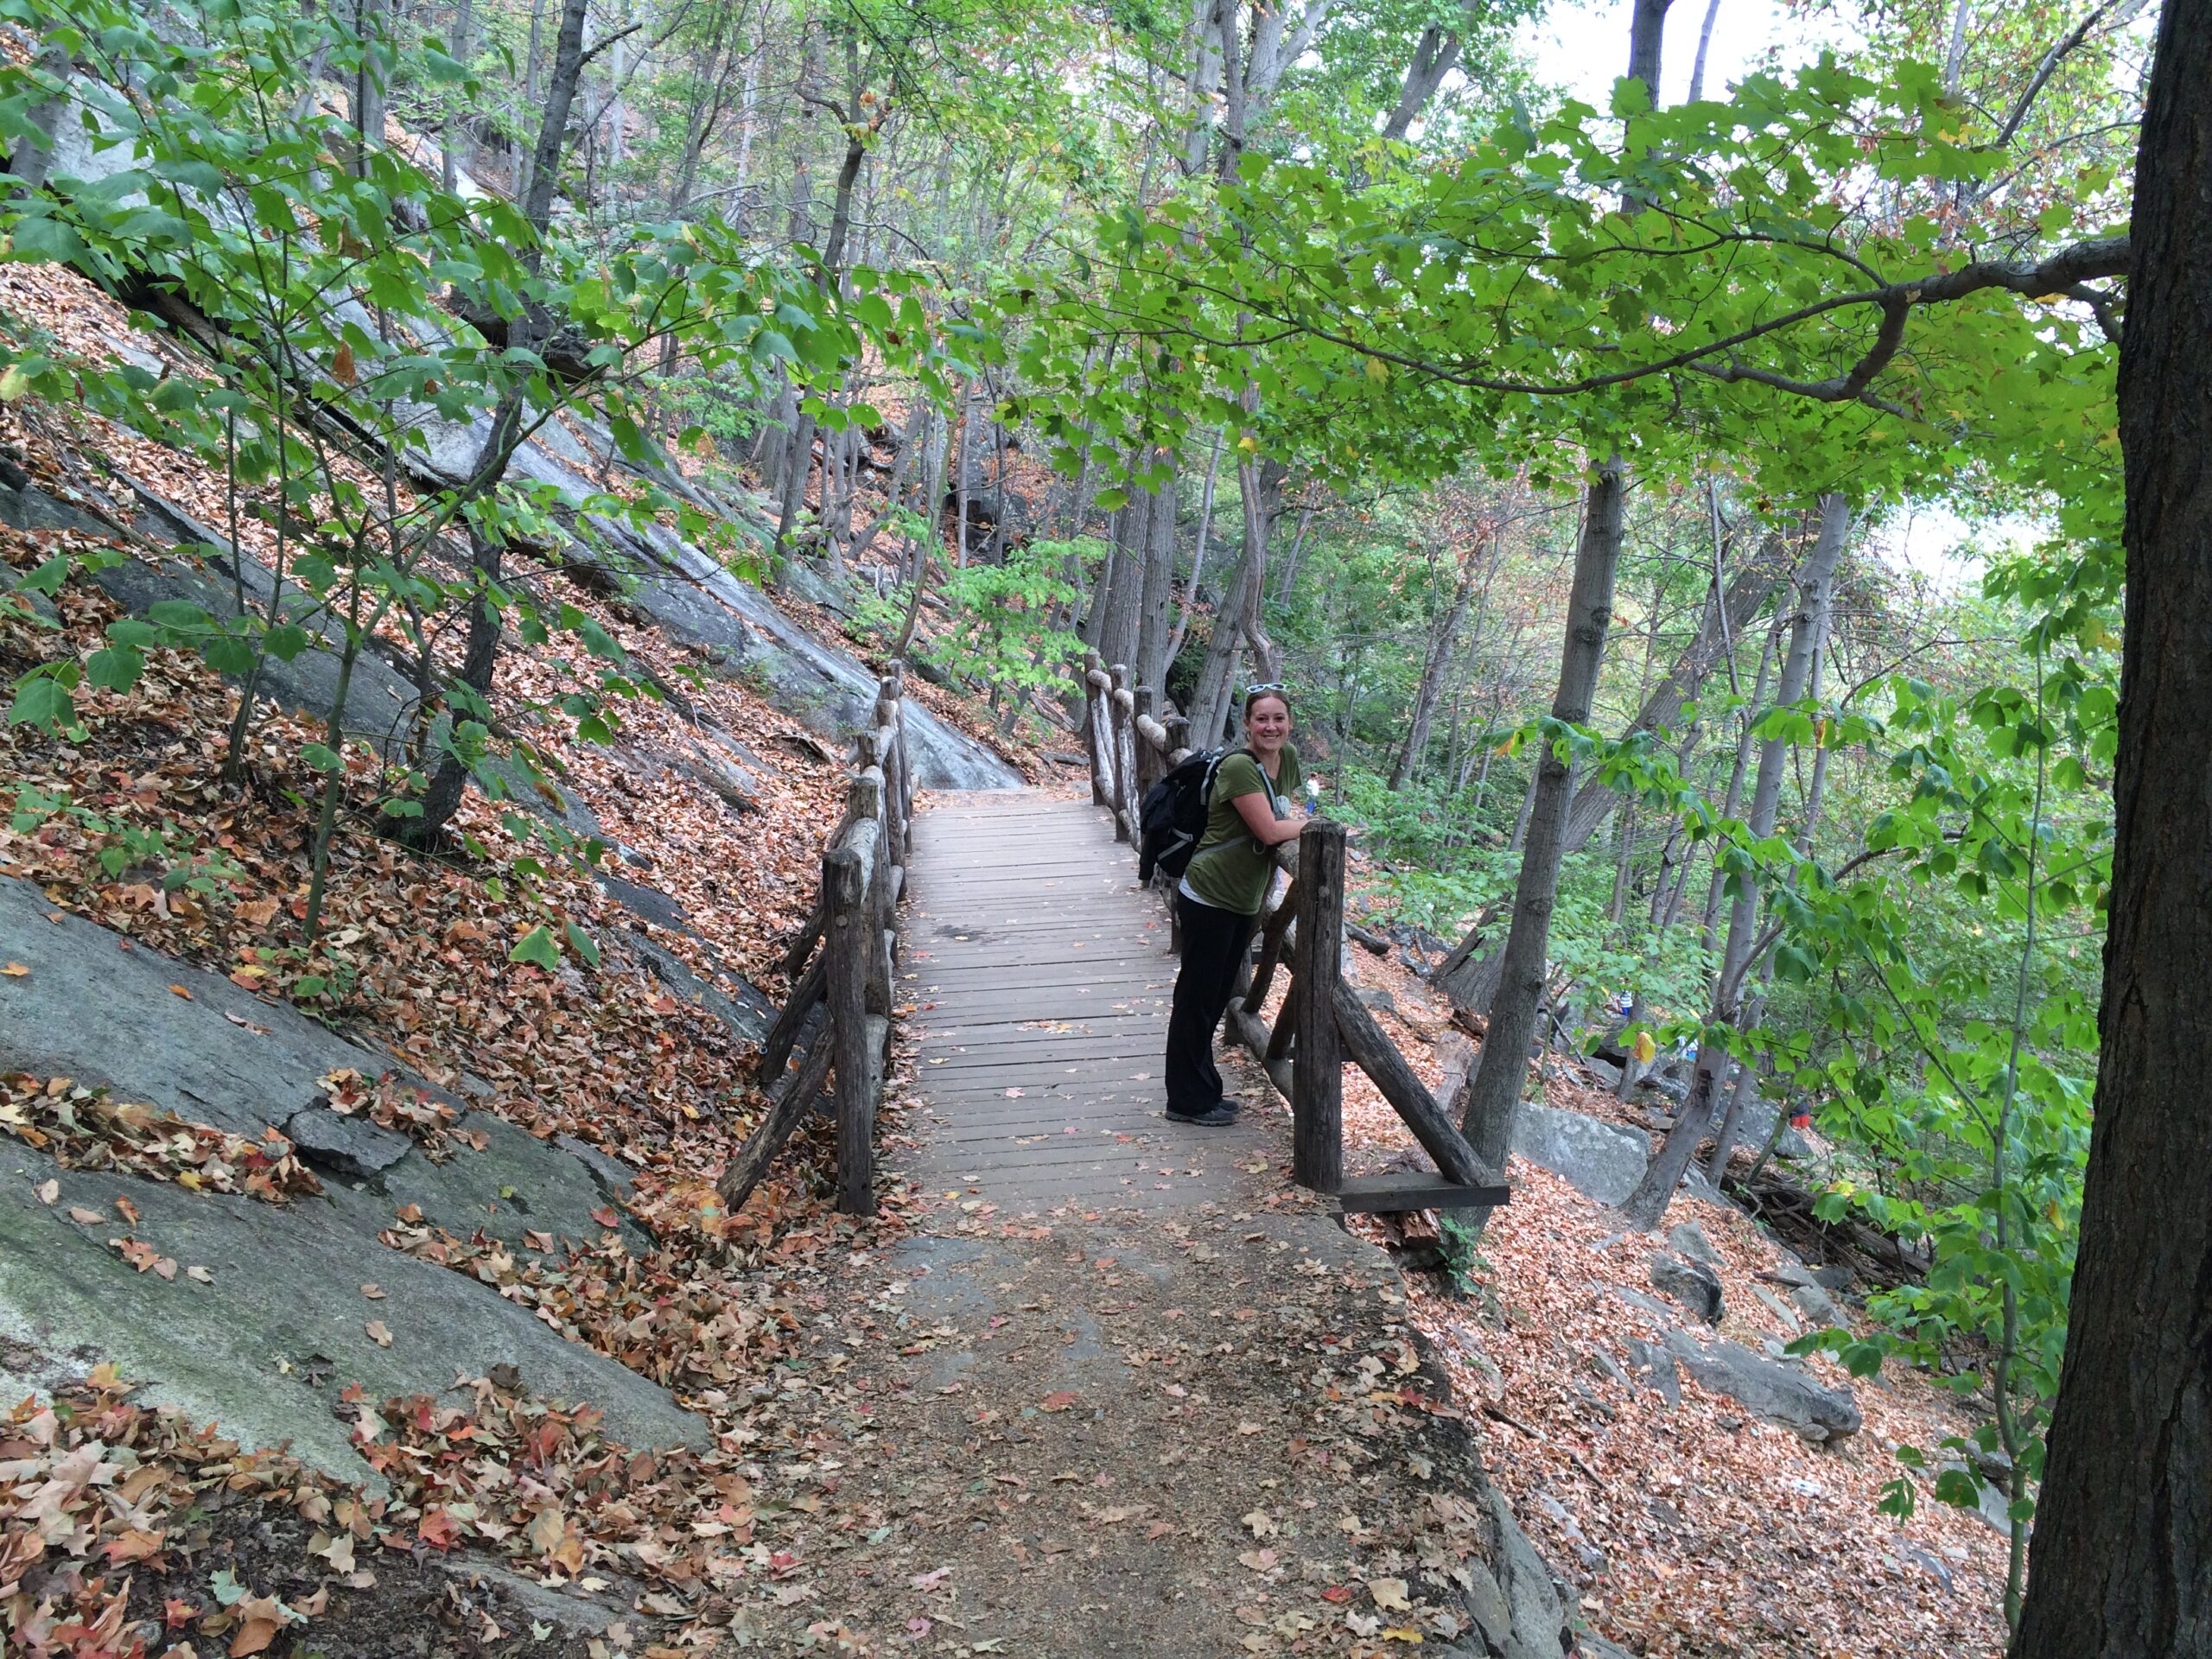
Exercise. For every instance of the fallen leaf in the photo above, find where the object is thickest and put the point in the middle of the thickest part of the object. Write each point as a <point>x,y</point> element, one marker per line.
<point>379,1333</point>
<point>605,1216</point>
<point>48,1192</point>
<point>1389,1593</point>
<point>133,1544</point>
<point>178,990</point>
<point>14,970</point>
<point>1259,1560</point>
<point>127,1210</point>
<point>253,1637</point>
<point>85,1218</point>
<point>200,1274</point>
<point>374,1292</point>
<point>1059,1401</point>
<point>1262,1524</point>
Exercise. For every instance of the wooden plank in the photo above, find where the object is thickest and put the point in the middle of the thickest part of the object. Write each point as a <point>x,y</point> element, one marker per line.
<point>776,1046</point>
<point>743,1172</point>
<point>1317,1069</point>
<point>1431,1125</point>
<point>1420,1189</point>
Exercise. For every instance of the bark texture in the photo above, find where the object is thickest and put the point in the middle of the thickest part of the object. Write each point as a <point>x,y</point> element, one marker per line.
<point>2122,1562</point>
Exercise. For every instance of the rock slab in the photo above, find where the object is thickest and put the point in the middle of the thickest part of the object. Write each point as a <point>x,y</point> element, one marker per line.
<point>1781,1394</point>
<point>1601,1161</point>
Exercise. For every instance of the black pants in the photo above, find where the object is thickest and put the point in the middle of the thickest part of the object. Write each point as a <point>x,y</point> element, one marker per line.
<point>1213,944</point>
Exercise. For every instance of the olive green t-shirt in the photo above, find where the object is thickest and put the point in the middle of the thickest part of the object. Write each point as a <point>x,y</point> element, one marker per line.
<point>1229,870</point>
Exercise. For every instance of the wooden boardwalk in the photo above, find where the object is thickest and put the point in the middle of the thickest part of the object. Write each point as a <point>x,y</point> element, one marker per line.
<point>1039,975</point>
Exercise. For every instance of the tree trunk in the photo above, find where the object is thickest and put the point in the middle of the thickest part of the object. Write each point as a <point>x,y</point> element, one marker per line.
<point>1197,552</point>
<point>1646,36</point>
<point>1157,517</point>
<point>1704,45</point>
<point>1732,802</point>
<point>1443,642</point>
<point>2122,1555</point>
<point>1646,1205</point>
<point>1495,1090</point>
<point>1433,55</point>
<point>480,652</point>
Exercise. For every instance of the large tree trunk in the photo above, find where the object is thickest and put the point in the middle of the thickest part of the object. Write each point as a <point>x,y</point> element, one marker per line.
<point>2122,1557</point>
<point>1646,1205</point>
<point>1495,1090</point>
<point>1157,514</point>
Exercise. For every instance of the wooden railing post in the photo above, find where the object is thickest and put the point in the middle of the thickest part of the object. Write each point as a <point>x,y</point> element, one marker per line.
<point>847,939</point>
<point>1148,756</point>
<point>1122,727</point>
<point>1178,736</point>
<point>1317,1064</point>
<point>1095,686</point>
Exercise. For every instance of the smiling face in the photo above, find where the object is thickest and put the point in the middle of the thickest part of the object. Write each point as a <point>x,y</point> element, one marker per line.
<point>1266,725</point>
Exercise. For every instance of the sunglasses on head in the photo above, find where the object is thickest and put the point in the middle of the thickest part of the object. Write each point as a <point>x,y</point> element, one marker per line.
<point>1272,685</point>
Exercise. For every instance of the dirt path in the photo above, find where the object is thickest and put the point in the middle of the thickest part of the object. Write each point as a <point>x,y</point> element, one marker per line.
<point>1182,1417</point>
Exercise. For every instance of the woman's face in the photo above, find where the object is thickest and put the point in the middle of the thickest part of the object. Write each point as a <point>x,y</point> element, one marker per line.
<point>1268,724</point>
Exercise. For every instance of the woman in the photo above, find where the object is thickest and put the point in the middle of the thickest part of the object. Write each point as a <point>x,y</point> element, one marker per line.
<point>1247,813</point>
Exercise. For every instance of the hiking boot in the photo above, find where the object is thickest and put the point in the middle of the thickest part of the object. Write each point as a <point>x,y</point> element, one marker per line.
<point>1219,1116</point>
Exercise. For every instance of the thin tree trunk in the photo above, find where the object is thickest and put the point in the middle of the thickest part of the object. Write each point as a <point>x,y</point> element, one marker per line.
<point>1495,1090</point>
<point>1443,642</point>
<point>1197,553</point>
<point>1158,516</point>
<point>1646,1205</point>
<point>480,652</point>
<point>1703,44</point>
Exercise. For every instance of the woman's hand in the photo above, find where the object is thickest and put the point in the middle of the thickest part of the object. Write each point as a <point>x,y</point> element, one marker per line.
<point>1260,821</point>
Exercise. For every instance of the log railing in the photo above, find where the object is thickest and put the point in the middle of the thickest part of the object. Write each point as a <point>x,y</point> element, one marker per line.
<point>1322,1023</point>
<point>841,994</point>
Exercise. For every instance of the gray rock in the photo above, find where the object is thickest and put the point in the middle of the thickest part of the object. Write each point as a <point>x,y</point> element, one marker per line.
<point>1664,1379</point>
<point>194,1058</point>
<point>1607,1074</point>
<point>1601,1161</point>
<point>647,903</point>
<point>1486,1606</point>
<point>1376,997</point>
<point>1604,1364</point>
<point>1993,1502</point>
<point>1687,1239</point>
<point>1673,1088</point>
<point>1834,1281</point>
<point>1658,1310</point>
<point>747,1015</point>
<point>1782,1310</point>
<point>516,1185</point>
<point>1693,1284</point>
<point>1789,1273</point>
<point>347,1146</point>
<point>1598,1648</point>
<point>695,600</point>
<point>1780,1393</point>
<point>1817,1305</point>
<point>265,1348</point>
<point>1531,1596</point>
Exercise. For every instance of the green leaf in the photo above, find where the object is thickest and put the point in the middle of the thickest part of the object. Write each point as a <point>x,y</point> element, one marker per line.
<point>580,942</point>
<point>43,701</point>
<point>537,947</point>
<point>116,668</point>
<point>320,757</point>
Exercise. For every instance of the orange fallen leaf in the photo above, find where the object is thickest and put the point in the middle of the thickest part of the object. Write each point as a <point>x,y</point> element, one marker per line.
<point>14,970</point>
<point>130,1211</point>
<point>178,990</point>
<point>1059,1401</point>
<point>254,1636</point>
